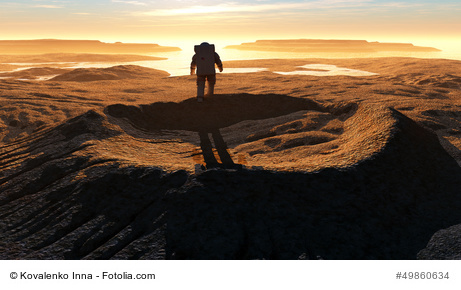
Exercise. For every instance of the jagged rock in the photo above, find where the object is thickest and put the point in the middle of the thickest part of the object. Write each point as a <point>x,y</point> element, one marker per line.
<point>444,245</point>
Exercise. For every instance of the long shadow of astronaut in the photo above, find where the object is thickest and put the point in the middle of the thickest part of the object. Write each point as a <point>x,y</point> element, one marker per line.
<point>221,148</point>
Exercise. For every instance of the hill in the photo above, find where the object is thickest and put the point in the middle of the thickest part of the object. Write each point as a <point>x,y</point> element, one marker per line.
<point>111,73</point>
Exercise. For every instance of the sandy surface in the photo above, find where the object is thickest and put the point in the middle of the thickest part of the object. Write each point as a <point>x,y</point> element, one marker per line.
<point>36,65</point>
<point>124,163</point>
<point>428,91</point>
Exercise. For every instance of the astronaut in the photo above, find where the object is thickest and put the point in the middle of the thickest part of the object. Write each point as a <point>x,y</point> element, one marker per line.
<point>204,60</point>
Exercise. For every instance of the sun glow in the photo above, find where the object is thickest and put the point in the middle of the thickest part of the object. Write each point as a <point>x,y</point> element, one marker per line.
<point>190,10</point>
<point>167,22</point>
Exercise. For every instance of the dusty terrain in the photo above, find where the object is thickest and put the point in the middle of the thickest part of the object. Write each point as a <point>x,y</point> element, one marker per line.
<point>37,65</point>
<point>124,163</point>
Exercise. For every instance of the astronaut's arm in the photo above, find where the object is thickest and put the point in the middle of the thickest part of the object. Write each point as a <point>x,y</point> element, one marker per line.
<point>193,65</point>
<point>218,62</point>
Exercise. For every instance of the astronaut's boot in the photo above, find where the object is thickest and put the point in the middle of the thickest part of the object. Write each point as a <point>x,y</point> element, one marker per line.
<point>200,91</point>
<point>210,90</point>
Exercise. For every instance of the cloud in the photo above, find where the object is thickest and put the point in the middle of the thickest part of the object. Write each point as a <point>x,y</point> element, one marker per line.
<point>255,8</point>
<point>48,6</point>
<point>130,2</point>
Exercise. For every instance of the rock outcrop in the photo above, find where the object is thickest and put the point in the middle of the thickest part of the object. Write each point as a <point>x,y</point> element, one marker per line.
<point>444,245</point>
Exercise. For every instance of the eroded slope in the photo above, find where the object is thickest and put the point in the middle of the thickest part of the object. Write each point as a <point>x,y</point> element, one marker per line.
<point>66,195</point>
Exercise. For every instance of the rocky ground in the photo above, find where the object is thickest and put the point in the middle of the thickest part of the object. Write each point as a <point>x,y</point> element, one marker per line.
<point>139,170</point>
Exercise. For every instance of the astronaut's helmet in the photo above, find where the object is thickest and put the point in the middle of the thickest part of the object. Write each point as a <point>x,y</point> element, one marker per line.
<point>204,47</point>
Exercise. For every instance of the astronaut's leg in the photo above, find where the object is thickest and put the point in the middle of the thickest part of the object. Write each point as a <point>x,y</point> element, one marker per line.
<point>200,88</point>
<point>211,82</point>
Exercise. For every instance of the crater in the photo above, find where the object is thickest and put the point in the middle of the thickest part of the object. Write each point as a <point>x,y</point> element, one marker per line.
<point>276,132</point>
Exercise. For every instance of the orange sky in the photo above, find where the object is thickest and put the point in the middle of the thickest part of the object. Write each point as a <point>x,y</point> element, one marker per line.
<point>232,22</point>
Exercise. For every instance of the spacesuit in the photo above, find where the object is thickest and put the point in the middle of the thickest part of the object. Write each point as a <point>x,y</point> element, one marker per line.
<point>204,60</point>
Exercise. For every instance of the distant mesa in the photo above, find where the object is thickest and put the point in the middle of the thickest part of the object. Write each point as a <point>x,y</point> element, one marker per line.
<point>78,46</point>
<point>75,57</point>
<point>319,45</point>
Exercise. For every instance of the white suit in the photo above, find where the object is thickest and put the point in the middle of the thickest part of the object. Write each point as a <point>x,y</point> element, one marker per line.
<point>204,60</point>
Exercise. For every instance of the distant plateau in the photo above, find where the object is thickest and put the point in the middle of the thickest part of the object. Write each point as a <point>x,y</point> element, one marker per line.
<point>319,45</point>
<point>78,46</point>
